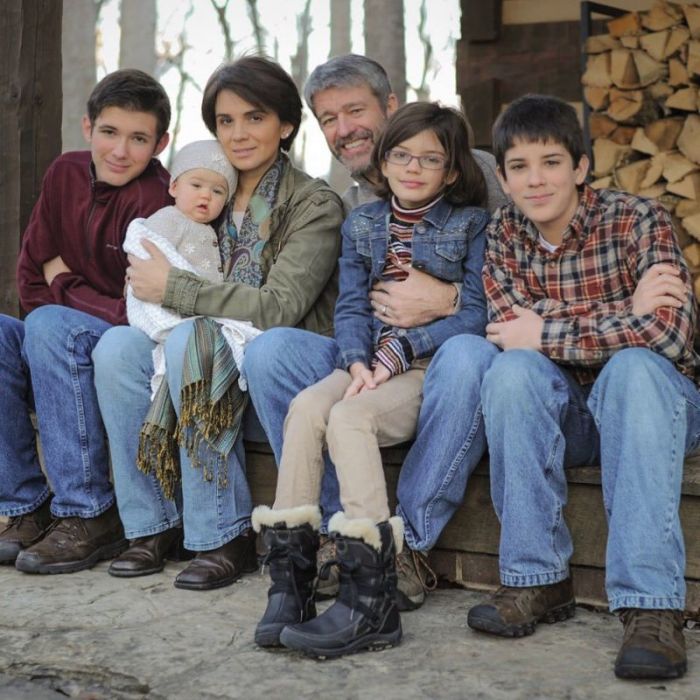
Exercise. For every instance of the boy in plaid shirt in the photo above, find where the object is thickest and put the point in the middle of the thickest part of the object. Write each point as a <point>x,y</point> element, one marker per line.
<point>592,303</point>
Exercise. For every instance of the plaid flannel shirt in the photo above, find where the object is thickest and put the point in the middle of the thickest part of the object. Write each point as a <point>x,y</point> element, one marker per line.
<point>584,289</point>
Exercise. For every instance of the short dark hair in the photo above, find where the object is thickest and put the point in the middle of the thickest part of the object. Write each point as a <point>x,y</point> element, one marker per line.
<point>260,81</point>
<point>350,70</point>
<point>538,118</point>
<point>133,90</point>
<point>452,131</point>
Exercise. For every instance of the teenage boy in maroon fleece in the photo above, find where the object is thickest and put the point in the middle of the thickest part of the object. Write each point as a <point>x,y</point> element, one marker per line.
<point>70,276</point>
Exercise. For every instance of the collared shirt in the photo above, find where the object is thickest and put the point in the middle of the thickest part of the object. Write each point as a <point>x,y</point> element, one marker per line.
<point>583,290</point>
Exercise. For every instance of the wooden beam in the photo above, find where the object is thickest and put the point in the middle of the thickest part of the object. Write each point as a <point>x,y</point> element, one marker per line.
<point>481,21</point>
<point>30,121</point>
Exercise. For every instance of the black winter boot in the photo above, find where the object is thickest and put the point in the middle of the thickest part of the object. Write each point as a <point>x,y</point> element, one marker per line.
<point>365,614</point>
<point>291,541</point>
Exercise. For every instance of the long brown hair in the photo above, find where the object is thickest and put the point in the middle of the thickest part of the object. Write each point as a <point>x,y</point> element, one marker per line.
<point>452,131</point>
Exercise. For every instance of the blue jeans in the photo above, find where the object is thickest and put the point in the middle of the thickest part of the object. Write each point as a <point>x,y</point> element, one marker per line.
<point>450,436</point>
<point>638,420</point>
<point>212,512</point>
<point>45,365</point>
<point>450,439</point>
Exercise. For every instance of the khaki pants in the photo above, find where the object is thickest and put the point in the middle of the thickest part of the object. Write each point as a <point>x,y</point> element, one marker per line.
<point>353,429</point>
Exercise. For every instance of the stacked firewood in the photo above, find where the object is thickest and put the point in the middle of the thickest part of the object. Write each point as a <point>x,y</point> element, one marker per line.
<point>642,82</point>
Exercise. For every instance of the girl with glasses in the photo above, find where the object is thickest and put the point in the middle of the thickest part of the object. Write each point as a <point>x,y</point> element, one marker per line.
<point>430,216</point>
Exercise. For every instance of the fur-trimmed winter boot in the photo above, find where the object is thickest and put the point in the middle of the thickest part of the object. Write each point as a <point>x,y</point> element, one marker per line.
<point>291,539</point>
<point>365,614</point>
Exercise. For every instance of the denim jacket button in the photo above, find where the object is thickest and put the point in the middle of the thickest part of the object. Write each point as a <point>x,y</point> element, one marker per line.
<point>418,265</point>
<point>420,228</point>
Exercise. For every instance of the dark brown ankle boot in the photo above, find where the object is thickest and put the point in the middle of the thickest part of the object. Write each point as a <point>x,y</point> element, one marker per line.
<point>515,612</point>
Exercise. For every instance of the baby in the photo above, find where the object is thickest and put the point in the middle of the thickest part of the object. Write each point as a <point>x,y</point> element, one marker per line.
<point>202,182</point>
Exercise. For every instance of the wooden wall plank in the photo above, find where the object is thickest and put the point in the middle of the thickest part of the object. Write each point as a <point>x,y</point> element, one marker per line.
<point>530,11</point>
<point>30,121</point>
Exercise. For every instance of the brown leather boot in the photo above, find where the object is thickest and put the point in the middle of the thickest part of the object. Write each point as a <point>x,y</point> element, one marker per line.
<point>147,555</point>
<point>515,612</point>
<point>653,645</point>
<point>73,544</point>
<point>221,566</point>
<point>22,531</point>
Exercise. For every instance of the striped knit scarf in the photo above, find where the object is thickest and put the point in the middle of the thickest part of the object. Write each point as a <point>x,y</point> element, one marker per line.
<point>211,411</point>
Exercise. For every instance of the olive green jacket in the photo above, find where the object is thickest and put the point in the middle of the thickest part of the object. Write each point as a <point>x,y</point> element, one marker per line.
<point>299,262</point>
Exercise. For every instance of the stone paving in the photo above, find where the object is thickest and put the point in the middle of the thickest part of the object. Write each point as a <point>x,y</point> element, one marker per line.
<point>94,637</point>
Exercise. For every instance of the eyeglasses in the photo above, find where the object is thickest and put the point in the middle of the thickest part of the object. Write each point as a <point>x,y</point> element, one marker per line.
<point>431,162</point>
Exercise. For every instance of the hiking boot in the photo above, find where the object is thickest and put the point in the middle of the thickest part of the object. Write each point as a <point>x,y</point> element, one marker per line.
<point>22,531</point>
<point>515,612</point>
<point>291,539</point>
<point>216,568</point>
<point>365,614</point>
<point>73,544</point>
<point>147,555</point>
<point>653,645</point>
<point>327,587</point>
<point>415,578</point>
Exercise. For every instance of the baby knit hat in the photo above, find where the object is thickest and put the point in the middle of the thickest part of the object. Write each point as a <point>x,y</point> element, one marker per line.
<point>206,154</point>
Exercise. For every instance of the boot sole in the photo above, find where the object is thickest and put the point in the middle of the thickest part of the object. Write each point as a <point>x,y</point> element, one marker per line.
<point>487,624</point>
<point>649,672</point>
<point>108,551</point>
<point>270,635</point>
<point>369,642</point>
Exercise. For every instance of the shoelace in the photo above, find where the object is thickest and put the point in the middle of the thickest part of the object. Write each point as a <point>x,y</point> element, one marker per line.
<point>650,623</point>
<point>289,583</point>
<point>67,527</point>
<point>353,586</point>
<point>426,576</point>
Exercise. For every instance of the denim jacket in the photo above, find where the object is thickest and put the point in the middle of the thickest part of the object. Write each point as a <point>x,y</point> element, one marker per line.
<point>447,244</point>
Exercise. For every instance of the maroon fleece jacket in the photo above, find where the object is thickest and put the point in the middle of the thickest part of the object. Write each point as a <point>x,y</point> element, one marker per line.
<point>85,222</point>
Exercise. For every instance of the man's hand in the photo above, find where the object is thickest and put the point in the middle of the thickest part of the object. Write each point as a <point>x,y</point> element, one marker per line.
<point>415,301</point>
<point>660,285</point>
<point>54,267</point>
<point>148,278</point>
<point>361,379</point>
<point>524,332</point>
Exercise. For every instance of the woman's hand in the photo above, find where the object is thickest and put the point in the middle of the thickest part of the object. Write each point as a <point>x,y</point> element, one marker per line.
<point>148,278</point>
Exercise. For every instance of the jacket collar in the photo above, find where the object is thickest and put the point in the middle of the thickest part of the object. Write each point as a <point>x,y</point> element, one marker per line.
<point>437,216</point>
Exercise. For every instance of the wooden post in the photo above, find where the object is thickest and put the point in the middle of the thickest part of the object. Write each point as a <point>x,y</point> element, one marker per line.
<point>30,121</point>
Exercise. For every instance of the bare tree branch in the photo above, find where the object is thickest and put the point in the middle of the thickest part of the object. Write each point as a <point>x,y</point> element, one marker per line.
<point>258,30</point>
<point>423,88</point>
<point>225,28</point>
<point>176,60</point>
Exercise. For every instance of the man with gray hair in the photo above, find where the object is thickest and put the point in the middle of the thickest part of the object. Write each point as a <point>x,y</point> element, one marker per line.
<point>351,98</point>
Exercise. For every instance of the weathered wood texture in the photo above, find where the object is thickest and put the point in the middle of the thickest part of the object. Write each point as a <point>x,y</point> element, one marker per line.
<point>30,121</point>
<point>542,57</point>
<point>467,551</point>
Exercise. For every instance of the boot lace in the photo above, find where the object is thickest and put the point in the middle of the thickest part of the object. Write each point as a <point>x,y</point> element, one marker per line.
<point>288,584</point>
<point>655,624</point>
<point>411,561</point>
<point>357,579</point>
